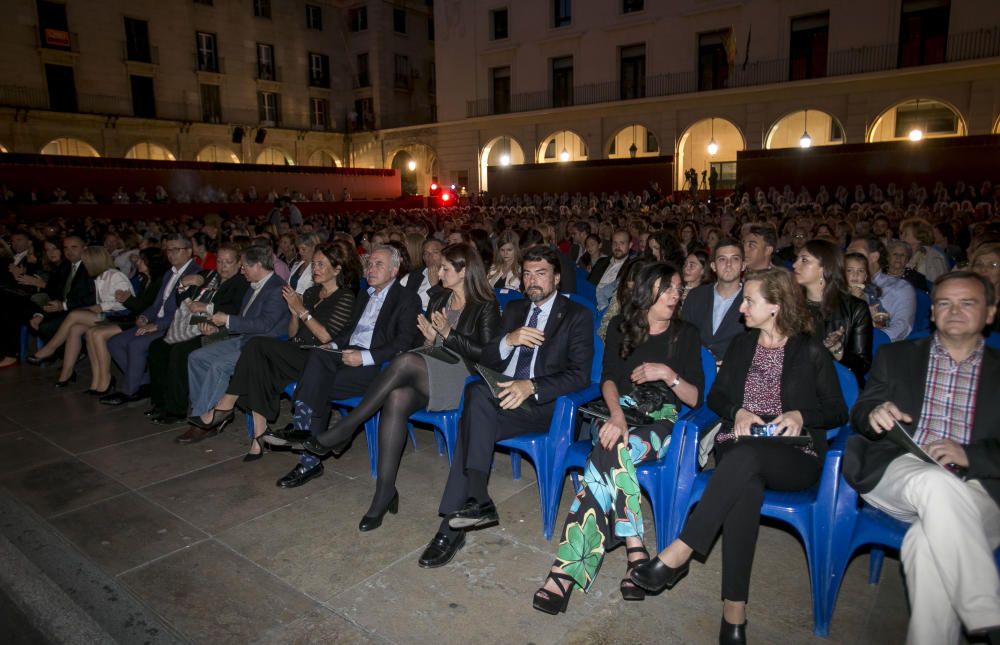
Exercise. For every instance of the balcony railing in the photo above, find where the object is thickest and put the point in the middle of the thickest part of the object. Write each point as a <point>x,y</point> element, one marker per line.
<point>267,72</point>
<point>981,43</point>
<point>212,64</point>
<point>150,56</point>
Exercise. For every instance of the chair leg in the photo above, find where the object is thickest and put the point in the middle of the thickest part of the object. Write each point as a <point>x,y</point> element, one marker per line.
<point>875,565</point>
<point>439,440</point>
<point>250,426</point>
<point>371,436</point>
<point>515,465</point>
<point>413,439</point>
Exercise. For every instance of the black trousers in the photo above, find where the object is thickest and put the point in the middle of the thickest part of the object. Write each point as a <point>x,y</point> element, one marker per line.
<point>168,374</point>
<point>484,423</point>
<point>265,367</point>
<point>733,498</point>
<point>325,377</point>
<point>15,311</point>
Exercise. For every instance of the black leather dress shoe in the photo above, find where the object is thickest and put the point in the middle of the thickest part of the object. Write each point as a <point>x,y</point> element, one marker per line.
<point>441,550</point>
<point>474,515</point>
<point>372,522</point>
<point>730,634</point>
<point>300,475</point>
<point>655,575</point>
<point>285,437</point>
<point>115,398</point>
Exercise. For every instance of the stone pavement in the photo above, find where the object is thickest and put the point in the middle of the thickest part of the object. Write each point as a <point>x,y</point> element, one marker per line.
<point>205,548</point>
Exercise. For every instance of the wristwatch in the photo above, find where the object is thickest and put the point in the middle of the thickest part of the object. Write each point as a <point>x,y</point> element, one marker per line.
<point>677,381</point>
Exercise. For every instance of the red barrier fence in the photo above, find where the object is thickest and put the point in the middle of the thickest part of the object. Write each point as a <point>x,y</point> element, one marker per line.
<point>102,176</point>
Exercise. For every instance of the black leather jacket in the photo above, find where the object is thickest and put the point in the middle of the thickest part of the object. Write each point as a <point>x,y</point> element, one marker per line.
<point>854,316</point>
<point>478,325</point>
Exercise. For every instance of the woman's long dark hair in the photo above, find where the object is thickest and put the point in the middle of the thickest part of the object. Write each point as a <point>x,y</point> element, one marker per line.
<point>831,260</point>
<point>635,324</point>
<point>156,262</point>
<point>465,256</point>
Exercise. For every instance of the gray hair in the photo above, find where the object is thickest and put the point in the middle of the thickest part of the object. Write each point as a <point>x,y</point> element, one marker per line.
<point>393,252</point>
<point>309,239</point>
<point>899,244</point>
<point>259,255</point>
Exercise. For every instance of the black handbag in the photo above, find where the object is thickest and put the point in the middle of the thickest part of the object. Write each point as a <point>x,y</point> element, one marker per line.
<point>646,405</point>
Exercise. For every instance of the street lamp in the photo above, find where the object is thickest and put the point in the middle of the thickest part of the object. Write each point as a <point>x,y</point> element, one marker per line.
<point>805,140</point>
<point>916,134</point>
<point>505,159</point>
<point>411,164</point>
<point>713,147</point>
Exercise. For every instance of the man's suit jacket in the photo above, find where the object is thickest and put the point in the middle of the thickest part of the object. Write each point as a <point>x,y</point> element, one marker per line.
<point>395,328</point>
<point>268,314</point>
<point>563,362</point>
<point>169,301</point>
<point>567,272</point>
<point>899,374</point>
<point>697,310</point>
<point>81,292</point>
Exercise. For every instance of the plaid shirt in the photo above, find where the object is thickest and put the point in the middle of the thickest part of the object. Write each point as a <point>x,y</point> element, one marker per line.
<point>949,396</point>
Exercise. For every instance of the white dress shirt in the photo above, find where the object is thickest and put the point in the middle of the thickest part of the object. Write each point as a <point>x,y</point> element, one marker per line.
<point>506,349</point>
<point>175,276</point>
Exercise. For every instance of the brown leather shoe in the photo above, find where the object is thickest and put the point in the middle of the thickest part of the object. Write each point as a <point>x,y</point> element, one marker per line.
<point>194,435</point>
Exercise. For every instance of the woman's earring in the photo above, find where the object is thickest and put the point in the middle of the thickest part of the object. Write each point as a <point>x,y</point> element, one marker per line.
<point>774,313</point>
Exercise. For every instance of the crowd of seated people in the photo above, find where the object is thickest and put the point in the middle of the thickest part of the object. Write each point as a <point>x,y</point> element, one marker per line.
<point>207,194</point>
<point>207,316</point>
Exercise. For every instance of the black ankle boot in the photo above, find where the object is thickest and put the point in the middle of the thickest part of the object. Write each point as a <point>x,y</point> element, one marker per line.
<point>730,634</point>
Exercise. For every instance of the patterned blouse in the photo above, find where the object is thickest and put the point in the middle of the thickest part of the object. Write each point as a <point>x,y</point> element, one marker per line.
<point>762,389</point>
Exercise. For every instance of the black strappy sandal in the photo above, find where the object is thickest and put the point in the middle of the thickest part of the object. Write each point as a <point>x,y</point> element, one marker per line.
<point>548,601</point>
<point>630,590</point>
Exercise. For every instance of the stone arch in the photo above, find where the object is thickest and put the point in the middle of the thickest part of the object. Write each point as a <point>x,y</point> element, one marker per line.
<point>324,158</point>
<point>823,128</point>
<point>274,156</point>
<point>694,149</point>
<point>147,150</point>
<point>217,154</point>
<point>916,119</point>
<point>562,145</point>
<point>67,146</point>
<point>502,151</point>
<point>619,145</point>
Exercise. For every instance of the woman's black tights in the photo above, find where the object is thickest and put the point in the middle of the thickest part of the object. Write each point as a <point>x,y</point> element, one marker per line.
<point>399,390</point>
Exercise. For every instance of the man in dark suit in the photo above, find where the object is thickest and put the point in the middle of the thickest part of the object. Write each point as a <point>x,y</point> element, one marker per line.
<point>263,313</point>
<point>578,233</point>
<point>715,308</point>
<point>545,351</point>
<point>944,389</point>
<point>70,287</point>
<point>130,348</point>
<point>383,324</point>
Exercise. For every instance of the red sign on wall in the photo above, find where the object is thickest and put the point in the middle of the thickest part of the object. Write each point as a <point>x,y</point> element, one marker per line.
<point>57,37</point>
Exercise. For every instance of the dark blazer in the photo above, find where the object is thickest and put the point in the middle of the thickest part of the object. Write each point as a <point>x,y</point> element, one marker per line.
<point>854,316</point>
<point>228,298</point>
<point>567,272</point>
<point>697,310</point>
<point>81,292</point>
<point>478,325</point>
<point>809,384</point>
<point>416,279</point>
<point>900,375</point>
<point>268,314</point>
<point>563,362</point>
<point>396,325</point>
<point>170,301</point>
<point>598,269</point>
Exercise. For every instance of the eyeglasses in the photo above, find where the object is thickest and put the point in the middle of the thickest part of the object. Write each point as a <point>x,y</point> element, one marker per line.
<point>178,249</point>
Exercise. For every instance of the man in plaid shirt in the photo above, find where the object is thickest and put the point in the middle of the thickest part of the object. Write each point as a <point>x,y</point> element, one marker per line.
<point>944,390</point>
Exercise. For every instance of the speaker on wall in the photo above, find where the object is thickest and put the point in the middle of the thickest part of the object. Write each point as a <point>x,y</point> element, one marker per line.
<point>238,135</point>
<point>261,135</point>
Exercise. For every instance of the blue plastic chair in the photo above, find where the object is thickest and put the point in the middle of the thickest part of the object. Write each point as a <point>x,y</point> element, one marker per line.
<point>445,422</point>
<point>879,338</point>
<point>922,317</point>
<point>581,300</point>
<point>809,512</point>
<point>657,478</point>
<point>371,425</point>
<point>507,295</point>
<point>857,524</point>
<point>993,340</point>
<point>547,450</point>
<point>584,289</point>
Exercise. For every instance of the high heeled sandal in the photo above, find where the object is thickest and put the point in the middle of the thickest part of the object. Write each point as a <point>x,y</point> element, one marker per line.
<point>630,590</point>
<point>550,602</point>
<point>216,423</point>
<point>255,456</point>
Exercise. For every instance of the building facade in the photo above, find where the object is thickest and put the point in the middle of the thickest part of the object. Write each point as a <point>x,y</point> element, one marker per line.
<point>461,85</point>
<point>250,81</point>
<point>548,80</point>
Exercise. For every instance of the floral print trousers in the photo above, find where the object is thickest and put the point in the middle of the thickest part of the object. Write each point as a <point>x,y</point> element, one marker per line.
<point>606,511</point>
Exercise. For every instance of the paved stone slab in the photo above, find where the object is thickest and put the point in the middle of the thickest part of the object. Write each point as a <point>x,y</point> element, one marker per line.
<point>61,486</point>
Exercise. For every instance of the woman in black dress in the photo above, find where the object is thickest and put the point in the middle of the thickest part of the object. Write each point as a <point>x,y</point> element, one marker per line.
<point>267,365</point>
<point>647,345</point>
<point>461,318</point>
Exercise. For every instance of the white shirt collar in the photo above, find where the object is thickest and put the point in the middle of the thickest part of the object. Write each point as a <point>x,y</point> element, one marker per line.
<point>260,283</point>
<point>182,268</point>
